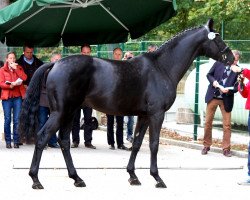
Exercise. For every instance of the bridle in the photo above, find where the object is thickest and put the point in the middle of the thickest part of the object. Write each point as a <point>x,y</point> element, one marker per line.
<point>223,50</point>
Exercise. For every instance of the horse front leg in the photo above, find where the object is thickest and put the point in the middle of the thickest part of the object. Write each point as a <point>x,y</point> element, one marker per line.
<point>50,127</point>
<point>64,142</point>
<point>155,125</point>
<point>140,130</point>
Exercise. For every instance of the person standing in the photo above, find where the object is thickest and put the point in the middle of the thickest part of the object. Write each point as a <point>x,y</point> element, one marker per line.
<point>130,123</point>
<point>44,111</point>
<point>30,63</point>
<point>220,92</point>
<point>87,113</point>
<point>117,55</point>
<point>244,90</point>
<point>13,91</point>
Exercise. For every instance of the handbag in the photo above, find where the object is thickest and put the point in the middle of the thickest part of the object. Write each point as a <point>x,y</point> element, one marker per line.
<point>93,123</point>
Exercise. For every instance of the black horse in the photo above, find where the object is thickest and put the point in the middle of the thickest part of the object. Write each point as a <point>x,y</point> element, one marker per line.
<point>144,86</point>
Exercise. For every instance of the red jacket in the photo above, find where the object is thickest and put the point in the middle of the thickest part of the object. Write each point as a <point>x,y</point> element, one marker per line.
<point>246,89</point>
<point>7,75</point>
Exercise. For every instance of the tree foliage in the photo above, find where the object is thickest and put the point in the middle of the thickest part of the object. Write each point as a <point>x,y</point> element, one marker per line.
<point>231,18</point>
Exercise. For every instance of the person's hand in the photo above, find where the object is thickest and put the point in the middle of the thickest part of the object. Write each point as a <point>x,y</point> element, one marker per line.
<point>215,84</point>
<point>13,84</point>
<point>223,90</point>
<point>240,78</point>
<point>235,68</point>
<point>13,65</point>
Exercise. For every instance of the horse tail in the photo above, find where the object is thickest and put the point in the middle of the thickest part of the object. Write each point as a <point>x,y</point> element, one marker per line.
<point>28,118</point>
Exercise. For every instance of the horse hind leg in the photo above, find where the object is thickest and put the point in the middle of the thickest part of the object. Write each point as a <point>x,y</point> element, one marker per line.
<point>140,130</point>
<point>64,142</point>
<point>50,127</point>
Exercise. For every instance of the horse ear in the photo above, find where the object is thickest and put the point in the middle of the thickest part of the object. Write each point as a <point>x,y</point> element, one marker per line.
<point>210,25</point>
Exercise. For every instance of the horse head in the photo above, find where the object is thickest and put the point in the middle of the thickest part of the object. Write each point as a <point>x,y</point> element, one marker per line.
<point>215,47</point>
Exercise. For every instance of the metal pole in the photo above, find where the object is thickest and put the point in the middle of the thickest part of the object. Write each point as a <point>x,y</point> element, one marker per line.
<point>65,51</point>
<point>196,103</point>
<point>98,53</point>
<point>142,47</point>
<point>222,30</point>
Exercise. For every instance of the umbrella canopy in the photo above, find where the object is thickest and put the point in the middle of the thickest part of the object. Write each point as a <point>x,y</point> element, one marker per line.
<point>45,23</point>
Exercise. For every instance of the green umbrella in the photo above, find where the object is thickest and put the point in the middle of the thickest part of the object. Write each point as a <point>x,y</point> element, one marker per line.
<point>46,22</point>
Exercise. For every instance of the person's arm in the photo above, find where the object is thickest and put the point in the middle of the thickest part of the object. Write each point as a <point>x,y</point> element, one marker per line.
<point>210,76</point>
<point>20,73</point>
<point>244,71</point>
<point>3,84</point>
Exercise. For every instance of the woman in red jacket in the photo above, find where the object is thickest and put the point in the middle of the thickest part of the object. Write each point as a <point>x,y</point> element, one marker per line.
<point>244,90</point>
<point>13,91</point>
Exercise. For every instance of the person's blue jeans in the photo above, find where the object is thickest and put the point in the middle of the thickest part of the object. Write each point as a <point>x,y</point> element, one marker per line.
<point>11,105</point>
<point>130,125</point>
<point>43,116</point>
<point>248,161</point>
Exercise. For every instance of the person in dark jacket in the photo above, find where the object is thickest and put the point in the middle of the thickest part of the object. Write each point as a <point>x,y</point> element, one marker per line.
<point>220,92</point>
<point>87,114</point>
<point>29,62</point>
<point>117,55</point>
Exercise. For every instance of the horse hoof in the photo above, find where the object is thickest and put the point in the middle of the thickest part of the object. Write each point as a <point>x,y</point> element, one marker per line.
<point>160,185</point>
<point>134,181</point>
<point>37,186</point>
<point>80,184</point>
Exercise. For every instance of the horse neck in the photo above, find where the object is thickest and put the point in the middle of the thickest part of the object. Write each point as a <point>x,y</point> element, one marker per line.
<point>176,56</point>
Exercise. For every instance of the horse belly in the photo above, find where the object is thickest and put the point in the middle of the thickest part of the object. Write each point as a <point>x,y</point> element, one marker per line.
<point>115,107</point>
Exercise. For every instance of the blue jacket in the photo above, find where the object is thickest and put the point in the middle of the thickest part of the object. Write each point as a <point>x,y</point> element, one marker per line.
<point>215,74</point>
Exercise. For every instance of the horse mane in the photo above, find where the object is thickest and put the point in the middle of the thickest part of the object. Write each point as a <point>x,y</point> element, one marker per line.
<point>178,35</point>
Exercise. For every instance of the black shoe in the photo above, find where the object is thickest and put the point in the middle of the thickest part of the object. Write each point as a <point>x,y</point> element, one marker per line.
<point>20,143</point>
<point>90,146</point>
<point>205,150</point>
<point>112,147</point>
<point>122,147</point>
<point>55,145</point>
<point>74,145</point>
<point>16,146</point>
<point>8,146</point>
